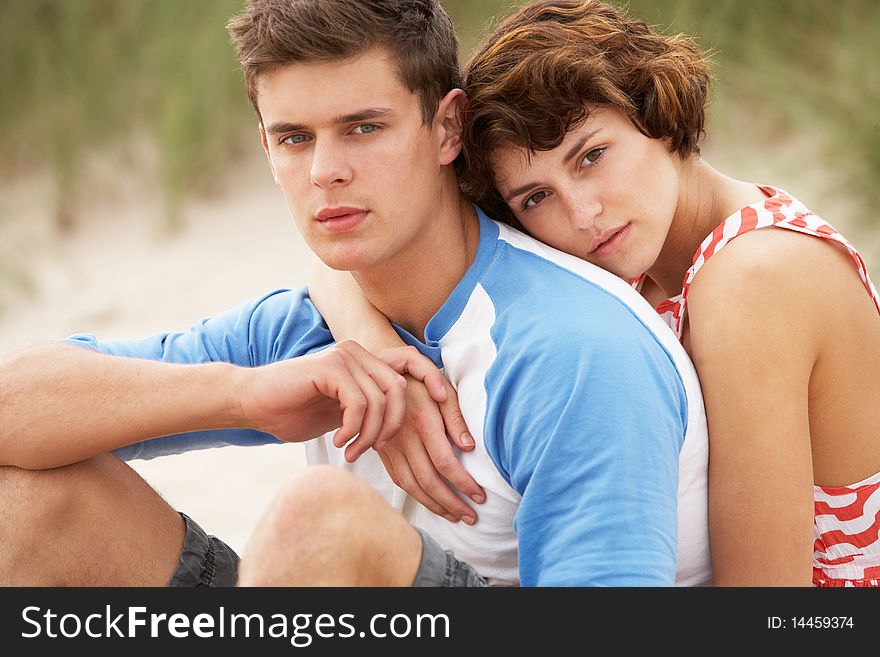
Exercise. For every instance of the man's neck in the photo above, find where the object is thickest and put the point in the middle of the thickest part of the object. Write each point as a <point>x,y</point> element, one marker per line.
<point>412,286</point>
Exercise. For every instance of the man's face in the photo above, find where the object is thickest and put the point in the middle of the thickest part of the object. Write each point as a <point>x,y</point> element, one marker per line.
<point>357,166</point>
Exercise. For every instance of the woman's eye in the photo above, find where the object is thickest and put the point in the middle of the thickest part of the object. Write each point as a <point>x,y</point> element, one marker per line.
<point>295,139</point>
<point>592,156</point>
<point>534,199</point>
<point>366,128</point>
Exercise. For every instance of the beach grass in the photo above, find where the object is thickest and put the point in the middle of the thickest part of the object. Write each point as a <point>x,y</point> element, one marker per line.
<point>80,76</point>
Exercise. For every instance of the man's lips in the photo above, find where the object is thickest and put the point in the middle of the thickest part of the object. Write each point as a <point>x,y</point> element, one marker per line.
<point>340,219</point>
<point>608,241</point>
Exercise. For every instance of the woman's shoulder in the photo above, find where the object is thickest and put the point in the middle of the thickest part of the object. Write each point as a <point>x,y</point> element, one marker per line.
<point>767,275</point>
<point>762,259</point>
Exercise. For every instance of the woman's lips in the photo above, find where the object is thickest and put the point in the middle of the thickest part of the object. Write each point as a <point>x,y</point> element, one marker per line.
<point>609,242</point>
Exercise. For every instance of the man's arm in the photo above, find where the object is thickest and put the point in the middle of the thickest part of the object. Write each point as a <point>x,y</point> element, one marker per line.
<point>62,404</point>
<point>55,396</point>
<point>243,369</point>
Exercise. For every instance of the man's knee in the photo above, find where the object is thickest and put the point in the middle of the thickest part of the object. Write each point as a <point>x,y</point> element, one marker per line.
<point>321,493</point>
<point>325,527</point>
<point>95,522</point>
<point>37,507</point>
<point>318,505</point>
<point>34,498</point>
<point>56,494</point>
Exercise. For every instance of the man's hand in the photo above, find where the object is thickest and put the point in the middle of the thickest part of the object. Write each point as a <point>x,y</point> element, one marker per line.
<point>342,386</point>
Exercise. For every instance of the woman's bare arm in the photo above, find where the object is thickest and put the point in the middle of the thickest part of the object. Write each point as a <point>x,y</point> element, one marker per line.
<point>754,348</point>
<point>419,456</point>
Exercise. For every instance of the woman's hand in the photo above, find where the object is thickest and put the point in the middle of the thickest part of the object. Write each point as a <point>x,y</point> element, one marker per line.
<point>420,457</point>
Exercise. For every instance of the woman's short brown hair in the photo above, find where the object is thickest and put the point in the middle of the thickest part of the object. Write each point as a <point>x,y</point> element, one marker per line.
<point>534,78</point>
<point>418,34</point>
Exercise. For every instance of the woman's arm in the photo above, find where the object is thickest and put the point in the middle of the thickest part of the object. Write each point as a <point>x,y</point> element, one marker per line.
<point>419,456</point>
<point>754,342</point>
<point>347,311</point>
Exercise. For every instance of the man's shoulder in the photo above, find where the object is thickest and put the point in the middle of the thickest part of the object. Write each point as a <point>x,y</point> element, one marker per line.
<point>285,323</point>
<point>553,310</point>
<point>531,282</point>
<point>281,303</point>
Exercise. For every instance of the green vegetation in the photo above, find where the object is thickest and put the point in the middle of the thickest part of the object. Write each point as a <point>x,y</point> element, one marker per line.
<point>79,76</point>
<point>85,75</point>
<point>792,72</point>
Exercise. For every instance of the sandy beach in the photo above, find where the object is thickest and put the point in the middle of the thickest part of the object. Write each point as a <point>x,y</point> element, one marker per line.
<point>118,277</point>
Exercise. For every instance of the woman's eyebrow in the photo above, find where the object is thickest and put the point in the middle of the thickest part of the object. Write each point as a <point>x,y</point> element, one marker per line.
<point>579,144</point>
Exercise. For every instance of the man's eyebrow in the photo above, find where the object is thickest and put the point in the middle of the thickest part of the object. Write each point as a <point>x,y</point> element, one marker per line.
<point>355,117</point>
<point>283,126</point>
<point>363,115</point>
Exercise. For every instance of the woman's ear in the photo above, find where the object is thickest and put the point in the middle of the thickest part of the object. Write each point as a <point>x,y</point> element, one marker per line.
<point>448,123</point>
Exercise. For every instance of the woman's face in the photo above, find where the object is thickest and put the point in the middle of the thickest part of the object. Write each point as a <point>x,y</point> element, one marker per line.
<point>606,194</point>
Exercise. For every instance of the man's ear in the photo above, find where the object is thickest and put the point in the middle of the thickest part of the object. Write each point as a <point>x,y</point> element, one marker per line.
<point>265,143</point>
<point>449,125</point>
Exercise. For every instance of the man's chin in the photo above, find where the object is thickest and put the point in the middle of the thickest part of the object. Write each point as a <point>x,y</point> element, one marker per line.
<point>346,260</point>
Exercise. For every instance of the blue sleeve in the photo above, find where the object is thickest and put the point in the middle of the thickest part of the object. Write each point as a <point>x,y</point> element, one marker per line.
<point>588,425</point>
<point>282,324</point>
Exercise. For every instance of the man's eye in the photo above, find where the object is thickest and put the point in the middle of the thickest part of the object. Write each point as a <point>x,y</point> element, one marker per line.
<point>295,139</point>
<point>534,199</point>
<point>366,128</point>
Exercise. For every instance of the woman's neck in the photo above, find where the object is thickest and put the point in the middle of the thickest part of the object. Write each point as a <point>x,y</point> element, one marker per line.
<point>706,199</point>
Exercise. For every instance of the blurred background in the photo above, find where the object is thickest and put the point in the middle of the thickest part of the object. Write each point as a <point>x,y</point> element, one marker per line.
<point>134,197</point>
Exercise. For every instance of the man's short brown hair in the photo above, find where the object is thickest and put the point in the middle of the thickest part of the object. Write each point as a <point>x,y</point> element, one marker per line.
<point>418,34</point>
<point>536,75</point>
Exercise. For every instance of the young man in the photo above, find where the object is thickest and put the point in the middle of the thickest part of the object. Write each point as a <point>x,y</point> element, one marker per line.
<point>581,402</point>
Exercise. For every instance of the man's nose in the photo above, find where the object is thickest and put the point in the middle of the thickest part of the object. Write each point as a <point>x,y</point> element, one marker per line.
<point>330,166</point>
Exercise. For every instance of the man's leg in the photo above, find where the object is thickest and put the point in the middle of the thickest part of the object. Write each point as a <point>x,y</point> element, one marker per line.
<point>93,523</point>
<point>328,528</point>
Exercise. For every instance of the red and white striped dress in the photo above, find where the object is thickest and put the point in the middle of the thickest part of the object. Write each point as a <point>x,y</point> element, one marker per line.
<point>846,546</point>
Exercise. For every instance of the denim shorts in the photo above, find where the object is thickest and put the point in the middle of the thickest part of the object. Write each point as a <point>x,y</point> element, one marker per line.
<point>439,567</point>
<point>208,561</point>
<point>204,560</point>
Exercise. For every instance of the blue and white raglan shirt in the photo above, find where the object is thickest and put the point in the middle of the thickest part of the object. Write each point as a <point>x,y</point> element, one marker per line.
<point>587,414</point>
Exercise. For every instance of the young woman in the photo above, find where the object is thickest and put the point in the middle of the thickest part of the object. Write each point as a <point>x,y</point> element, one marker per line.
<point>583,129</point>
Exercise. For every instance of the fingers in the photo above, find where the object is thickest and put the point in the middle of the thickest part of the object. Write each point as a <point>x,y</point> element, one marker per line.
<point>376,400</point>
<point>406,479</point>
<point>454,420</point>
<point>389,467</point>
<point>443,458</point>
<point>408,360</point>
<point>385,393</point>
<point>444,462</point>
<point>423,457</point>
<point>428,482</point>
<point>344,387</point>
